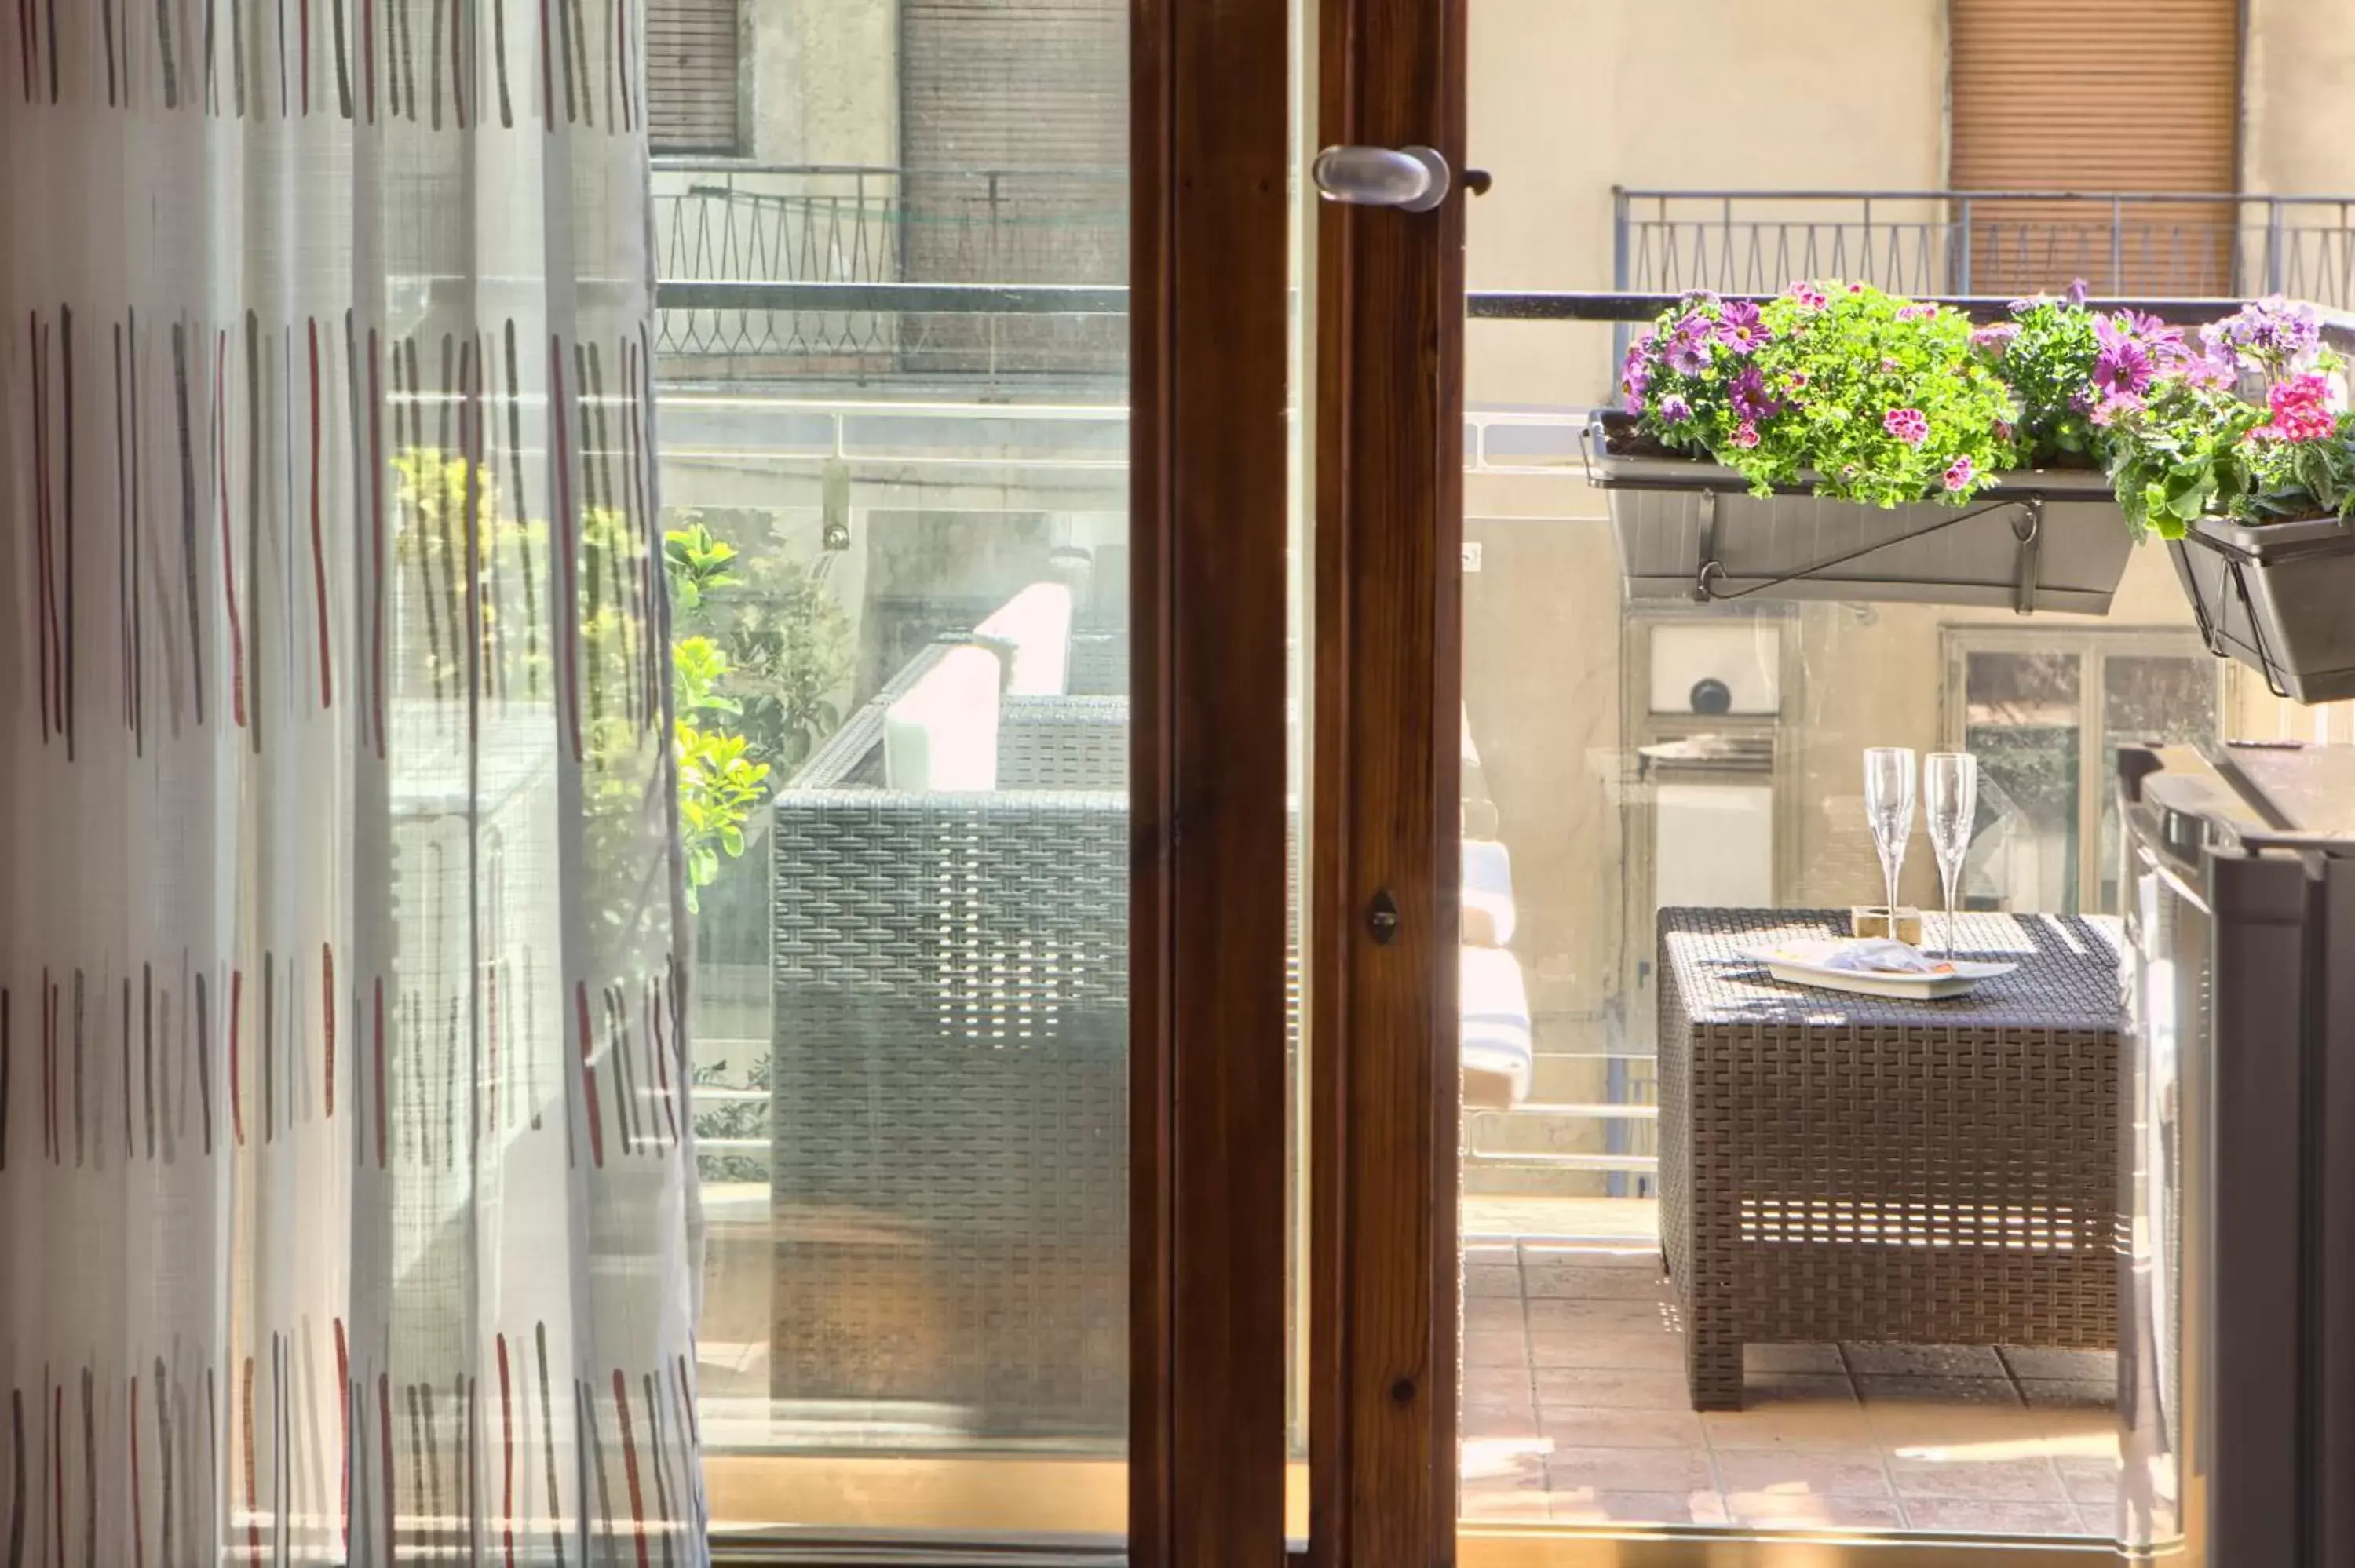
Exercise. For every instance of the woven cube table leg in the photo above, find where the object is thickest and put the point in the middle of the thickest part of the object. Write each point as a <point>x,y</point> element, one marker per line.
<point>1712,1366</point>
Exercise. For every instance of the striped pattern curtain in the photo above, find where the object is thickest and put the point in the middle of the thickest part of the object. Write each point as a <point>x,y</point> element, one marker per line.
<point>346,1185</point>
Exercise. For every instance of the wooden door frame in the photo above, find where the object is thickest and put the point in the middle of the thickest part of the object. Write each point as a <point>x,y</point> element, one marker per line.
<point>1386,1100</point>
<point>1208,360</point>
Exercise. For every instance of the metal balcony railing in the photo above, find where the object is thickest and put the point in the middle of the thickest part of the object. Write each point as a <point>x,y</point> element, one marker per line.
<point>1945,242</point>
<point>1013,279</point>
<point>736,222</point>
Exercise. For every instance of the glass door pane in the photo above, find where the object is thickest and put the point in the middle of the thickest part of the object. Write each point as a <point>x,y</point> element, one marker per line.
<point>912,985</point>
<point>1721,1266</point>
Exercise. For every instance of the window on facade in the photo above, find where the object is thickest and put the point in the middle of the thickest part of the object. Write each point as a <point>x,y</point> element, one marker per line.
<point>2045,713</point>
<point>692,88</point>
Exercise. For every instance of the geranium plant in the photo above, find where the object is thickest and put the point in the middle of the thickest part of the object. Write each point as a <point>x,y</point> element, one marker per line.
<point>2251,428</point>
<point>2073,372</point>
<point>1858,394</point>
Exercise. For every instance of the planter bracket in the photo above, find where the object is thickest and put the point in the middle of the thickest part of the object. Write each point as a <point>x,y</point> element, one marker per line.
<point>2028,529</point>
<point>2211,632</point>
<point>1709,563</point>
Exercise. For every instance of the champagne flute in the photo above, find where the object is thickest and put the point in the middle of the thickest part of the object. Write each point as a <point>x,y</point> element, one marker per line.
<point>1889,807</point>
<point>1950,788</point>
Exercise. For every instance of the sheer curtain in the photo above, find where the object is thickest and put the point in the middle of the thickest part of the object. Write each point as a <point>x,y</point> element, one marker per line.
<point>346,1190</point>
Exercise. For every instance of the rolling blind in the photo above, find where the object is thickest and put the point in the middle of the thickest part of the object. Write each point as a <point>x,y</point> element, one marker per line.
<point>2039,103</point>
<point>1014,84</point>
<point>691,90</point>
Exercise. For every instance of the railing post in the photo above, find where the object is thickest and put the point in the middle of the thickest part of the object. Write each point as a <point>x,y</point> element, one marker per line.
<point>1963,284</point>
<point>1620,282</point>
<point>2273,245</point>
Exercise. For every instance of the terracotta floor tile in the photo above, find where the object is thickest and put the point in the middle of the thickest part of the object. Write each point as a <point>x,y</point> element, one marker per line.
<point>1495,1347</point>
<point>1585,1506</point>
<point>2046,1393</point>
<point>1924,1361</point>
<point>1493,1312</point>
<point>1994,1517</point>
<point>1575,1410</point>
<point>1764,1391</point>
<point>1552,1279</point>
<point>1805,1511</point>
<point>1589,1427</point>
<point>1504,1506</point>
<point>1878,1388</point>
<point>1619,1312</point>
<point>1941,1426</point>
<point>1499,1418</point>
<point>1616,1388</point>
<point>1796,1426</point>
<point>1853,1472</point>
<point>1990,1480</point>
<point>1632,1257</point>
<point>1629,1470</point>
<point>1501,1378</point>
<point>1556,1348</point>
<point>2090,1481</point>
<point>2099,1365</point>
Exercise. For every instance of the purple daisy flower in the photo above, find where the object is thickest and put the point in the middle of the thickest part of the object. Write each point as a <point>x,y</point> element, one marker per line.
<point>2273,333</point>
<point>1688,355</point>
<point>1749,398</point>
<point>1739,328</point>
<point>2123,365</point>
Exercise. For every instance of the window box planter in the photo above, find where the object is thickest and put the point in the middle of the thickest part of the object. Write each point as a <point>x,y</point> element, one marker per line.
<point>1688,529</point>
<point>2279,597</point>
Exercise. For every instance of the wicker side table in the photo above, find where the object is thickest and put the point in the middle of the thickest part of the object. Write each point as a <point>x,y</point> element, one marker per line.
<point>1834,1167</point>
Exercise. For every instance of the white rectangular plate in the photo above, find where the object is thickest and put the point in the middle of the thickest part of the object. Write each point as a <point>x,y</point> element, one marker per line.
<point>1793,968</point>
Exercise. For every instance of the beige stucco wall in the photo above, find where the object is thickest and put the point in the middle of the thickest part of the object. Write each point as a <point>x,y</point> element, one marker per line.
<point>2300,59</point>
<point>1568,101</point>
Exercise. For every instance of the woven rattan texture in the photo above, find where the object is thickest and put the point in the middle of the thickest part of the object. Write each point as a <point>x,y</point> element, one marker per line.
<point>1062,743</point>
<point>1099,664</point>
<point>1842,1168</point>
<point>951,1093</point>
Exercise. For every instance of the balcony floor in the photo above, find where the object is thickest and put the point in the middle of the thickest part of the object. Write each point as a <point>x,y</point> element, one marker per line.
<point>1576,1410</point>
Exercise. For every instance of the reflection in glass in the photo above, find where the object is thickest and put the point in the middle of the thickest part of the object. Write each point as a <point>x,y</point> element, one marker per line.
<point>909,532</point>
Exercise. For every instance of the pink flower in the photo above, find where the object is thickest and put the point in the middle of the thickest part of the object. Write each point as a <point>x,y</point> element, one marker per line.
<point>1959,472</point>
<point>1908,425</point>
<point>1807,294</point>
<point>1856,288</point>
<point>2300,407</point>
<point>1916,312</point>
<point>1745,434</point>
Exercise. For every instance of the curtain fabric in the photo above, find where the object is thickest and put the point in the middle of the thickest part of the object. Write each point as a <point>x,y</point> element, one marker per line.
<point>346,1184</point>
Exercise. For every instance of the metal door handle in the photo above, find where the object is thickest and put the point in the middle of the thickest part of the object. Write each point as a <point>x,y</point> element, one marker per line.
<point>1412,179</point>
